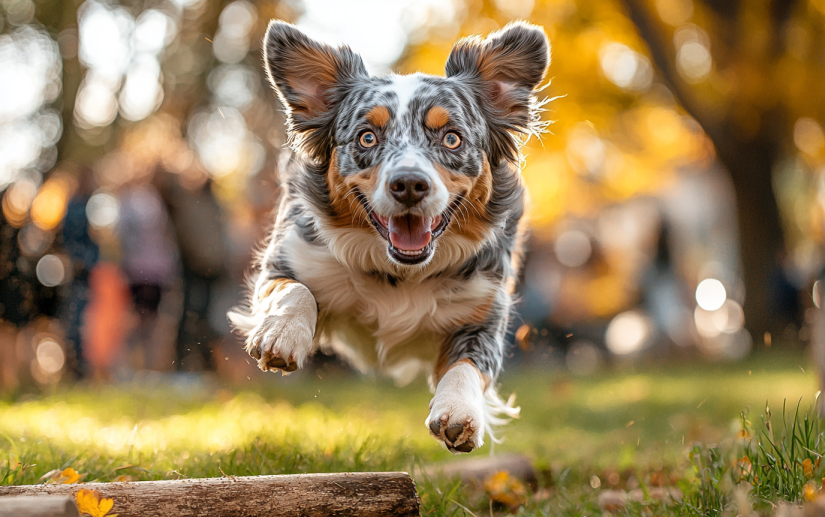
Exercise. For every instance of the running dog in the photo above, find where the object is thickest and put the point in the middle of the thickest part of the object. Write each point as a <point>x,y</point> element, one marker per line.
<point>399,233</point>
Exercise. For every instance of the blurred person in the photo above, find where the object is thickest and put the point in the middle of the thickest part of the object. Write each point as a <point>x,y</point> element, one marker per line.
<point>149,260</point>
<point>199,226</point>
<point>84,253</point>
<point>22,299</point>
<point>664,292</point>
<point>104,328</point>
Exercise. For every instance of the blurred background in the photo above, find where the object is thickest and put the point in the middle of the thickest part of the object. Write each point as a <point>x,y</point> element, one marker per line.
<point>678,203</point>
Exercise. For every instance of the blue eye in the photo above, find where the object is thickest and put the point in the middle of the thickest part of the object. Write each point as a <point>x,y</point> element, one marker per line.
<point>451,140</point>
<point>368,139</point>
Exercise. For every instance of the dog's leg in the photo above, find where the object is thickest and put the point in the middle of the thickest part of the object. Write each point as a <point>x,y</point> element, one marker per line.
<point>466,404</point>
<point>280,324</point>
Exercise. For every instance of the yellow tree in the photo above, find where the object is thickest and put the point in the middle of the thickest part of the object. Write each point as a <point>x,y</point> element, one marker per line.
<point>750,72</point>
<point>745,71</point>
<point>616,134</point>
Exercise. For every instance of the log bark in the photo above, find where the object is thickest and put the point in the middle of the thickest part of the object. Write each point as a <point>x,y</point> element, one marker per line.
<point>38,506</point>
<point>359,494</point>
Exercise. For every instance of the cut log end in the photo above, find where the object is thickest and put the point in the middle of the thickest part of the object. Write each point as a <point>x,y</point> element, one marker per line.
<point>38,506</point>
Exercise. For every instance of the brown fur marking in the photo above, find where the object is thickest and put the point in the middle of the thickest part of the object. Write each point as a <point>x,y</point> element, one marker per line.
<point>312,78</point>
<point>348,210</point>
<point>472,213</point>
<point>378,116</point>
<point>437,117</point>
<point>277,285</point>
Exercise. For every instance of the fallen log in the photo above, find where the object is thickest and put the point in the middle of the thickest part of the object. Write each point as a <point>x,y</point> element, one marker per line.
<point>357,494</point>
<point>476,470</point>
<point>38,506</point>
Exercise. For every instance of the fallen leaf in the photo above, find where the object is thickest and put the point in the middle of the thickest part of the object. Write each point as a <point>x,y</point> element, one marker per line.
<point>66,476</point>
<point>506,489</point>
<point>93,504</point>
<point>809,492</point>
<point>808,468</point>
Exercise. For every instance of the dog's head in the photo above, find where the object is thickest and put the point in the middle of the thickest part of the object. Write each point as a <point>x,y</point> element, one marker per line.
<point>413,158</point>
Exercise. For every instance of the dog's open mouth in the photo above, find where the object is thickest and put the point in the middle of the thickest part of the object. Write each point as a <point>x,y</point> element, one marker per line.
<point>410,236</point>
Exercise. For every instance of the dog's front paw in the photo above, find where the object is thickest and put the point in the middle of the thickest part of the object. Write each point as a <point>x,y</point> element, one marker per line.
<point>457,410</point>
<point>281,337</point>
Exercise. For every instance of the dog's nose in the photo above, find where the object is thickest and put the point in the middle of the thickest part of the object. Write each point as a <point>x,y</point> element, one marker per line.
<point>410,188</point>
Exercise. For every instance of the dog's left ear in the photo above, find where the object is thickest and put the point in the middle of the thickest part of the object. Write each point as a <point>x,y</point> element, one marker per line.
<point>310,79</point>
<point>507,66</point>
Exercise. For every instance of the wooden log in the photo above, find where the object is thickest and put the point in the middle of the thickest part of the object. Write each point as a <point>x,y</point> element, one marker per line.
<point>476,470</point>
<point>358,494</point>
<point>38,506</point>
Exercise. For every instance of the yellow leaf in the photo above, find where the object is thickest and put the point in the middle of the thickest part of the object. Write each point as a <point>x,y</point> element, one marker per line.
<point>809,492</point>
<point>808,468</point>
<point>65,477</point>
<point>505,489</point>
<point>91,503</point>
<point>69,476</point>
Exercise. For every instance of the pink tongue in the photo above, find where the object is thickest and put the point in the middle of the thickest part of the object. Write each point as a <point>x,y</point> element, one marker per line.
<point>410,232</point>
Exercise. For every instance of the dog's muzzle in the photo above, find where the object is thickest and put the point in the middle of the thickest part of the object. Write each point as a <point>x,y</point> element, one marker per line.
<point>410,236</point>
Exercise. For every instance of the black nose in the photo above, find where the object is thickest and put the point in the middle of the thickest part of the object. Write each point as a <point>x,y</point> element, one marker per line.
<point>410,188</point>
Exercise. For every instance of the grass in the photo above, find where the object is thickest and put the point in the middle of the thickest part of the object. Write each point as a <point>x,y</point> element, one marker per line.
<point>701,428</point>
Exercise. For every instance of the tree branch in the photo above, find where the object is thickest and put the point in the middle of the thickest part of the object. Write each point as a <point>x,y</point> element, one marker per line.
<point>665,62</point>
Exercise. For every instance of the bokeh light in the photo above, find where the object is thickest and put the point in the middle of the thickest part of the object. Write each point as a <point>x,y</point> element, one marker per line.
<point>103,210</point>
<point>808,136</point>
<point>142,93</point>
<point>628,332</point>
<point>49,205</point>
<point>572,248</point>
<point>231,43</point>
<point>30,78</point>
<point>674,12</point>
<point>710,294</point>
<point>727,319</point>
<point>51,271</point>
<point>33,241</point>
<point>625,68</point>
<point>50,356</point>
<point>583,358</point>
<point>17,201</point>
<point>693,57</point>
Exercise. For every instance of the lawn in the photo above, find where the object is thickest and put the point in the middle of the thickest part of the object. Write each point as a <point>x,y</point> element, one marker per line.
<point>621,429</point>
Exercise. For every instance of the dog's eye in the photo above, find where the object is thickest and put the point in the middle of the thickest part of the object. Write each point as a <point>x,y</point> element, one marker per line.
<point>451,140</point>
<point>368,139</point>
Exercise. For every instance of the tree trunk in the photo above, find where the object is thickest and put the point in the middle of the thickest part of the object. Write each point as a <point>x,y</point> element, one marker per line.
<point>761,240</point>
<point>359,494</point>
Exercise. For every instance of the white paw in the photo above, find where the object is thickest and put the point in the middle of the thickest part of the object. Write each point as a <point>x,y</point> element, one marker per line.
<point>281,328</point>
<point>457,410</point>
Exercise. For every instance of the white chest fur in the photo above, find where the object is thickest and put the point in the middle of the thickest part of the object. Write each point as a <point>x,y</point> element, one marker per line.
<point>379,323</point>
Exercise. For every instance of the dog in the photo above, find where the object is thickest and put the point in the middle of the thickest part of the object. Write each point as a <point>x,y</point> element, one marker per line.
<point>399,234</point>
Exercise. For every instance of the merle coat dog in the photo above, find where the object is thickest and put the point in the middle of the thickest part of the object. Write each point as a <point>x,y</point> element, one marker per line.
<point>398,238</point>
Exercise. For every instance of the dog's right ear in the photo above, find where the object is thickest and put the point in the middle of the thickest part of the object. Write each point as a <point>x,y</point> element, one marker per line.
<point>310,78</point>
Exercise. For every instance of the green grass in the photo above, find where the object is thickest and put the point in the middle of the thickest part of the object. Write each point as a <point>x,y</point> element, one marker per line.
<point>685,426</point>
